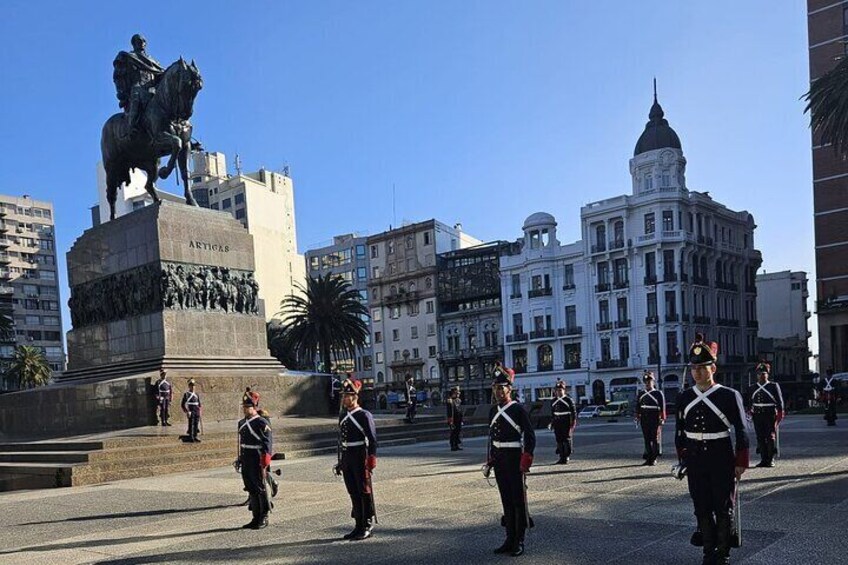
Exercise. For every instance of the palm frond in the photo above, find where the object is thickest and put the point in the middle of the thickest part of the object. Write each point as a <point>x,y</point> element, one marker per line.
<point>827,103</point>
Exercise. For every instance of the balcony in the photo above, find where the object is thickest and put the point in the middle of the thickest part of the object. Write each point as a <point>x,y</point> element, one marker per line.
<point>831,305</point>
<point>673,358</point>
<point>599,248</point>
<point>4,258</point>
<point>672,318</point>
<point>753,324</point>
<point>571,286</point>
<point>611,363</point>
<point>4,227</point>
<point>705,320</point>
<point>670,277</point>
<point>401,297</point>
<point>4,274</point>
<point>516,338</point>
<point>653,359</point>
<point>603,326</point>
<point>622,324</point>
<point>684,277</point>
<point>602,287</point>
<point>515,295</point>
<point>700,281</point>
<point>5,242</point>
<point>7,290</point>
<point>537,292</point>
<point>621,284</point>
<point>570,366</point>
<point>406,362</point>
<point>652,320</point>
<point>684,317</point>
<point>727,286</point>
<point>650,280</point>
<point>541,334</point>
<point>727,322</point>
<point>616,244</point>
<point>572,330</point>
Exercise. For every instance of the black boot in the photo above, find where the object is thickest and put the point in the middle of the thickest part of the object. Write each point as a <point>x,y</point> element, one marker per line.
<point>508,522</point>
<point>253,504</point>
<point>356,514</point>
<point>707,526</point>
<point>520,528</point>
<point>723,537</point>
<point>365,514</point>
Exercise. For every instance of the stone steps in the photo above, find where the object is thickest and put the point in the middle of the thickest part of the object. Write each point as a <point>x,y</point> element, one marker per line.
<point>50,464</point>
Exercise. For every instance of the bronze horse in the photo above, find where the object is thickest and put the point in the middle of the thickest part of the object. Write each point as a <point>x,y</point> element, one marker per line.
<point>164,130</point>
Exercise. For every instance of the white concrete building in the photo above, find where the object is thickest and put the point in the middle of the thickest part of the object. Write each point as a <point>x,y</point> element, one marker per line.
<point>402,299</point>
<point>782,313</point>
<point>653,268</point>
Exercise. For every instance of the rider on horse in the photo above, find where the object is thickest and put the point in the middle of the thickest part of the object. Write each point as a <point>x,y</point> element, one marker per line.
<point>135,75</point>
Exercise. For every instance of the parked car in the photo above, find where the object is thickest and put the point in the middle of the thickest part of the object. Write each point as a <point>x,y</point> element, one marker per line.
<point>614,409</point>
<point>590,411</point>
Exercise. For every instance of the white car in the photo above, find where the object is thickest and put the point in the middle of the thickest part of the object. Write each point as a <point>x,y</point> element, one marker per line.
<point>589,411</point>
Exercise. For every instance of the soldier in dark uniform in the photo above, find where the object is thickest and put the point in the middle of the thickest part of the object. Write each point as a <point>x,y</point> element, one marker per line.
<point>164,396</point>
<point>650,415</point>
<point>828,398</point>
<point>454,407</point>
<point>764,403</point>
<point>252,396</point>
<point>511,444</point>
<point>357,458</point>
<point>563,422</point>
<point>255,448</point>
<point>706,413</point>
<point>192,407</point>
<point>411,400</point>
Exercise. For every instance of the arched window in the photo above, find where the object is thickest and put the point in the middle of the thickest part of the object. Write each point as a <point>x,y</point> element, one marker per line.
<point>412,287</point>
<point>392,290</point>
<point>379,376</point>
<point>434,373</point>
<point>601,237</point>
<point>618,231</point>
<point>545,355</point>
<point>428,282</point>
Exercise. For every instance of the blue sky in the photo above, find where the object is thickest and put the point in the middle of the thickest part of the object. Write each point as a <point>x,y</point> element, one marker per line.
<point>477,112</point>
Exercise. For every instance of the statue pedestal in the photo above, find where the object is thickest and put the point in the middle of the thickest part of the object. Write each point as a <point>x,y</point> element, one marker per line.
<point>167,286</point>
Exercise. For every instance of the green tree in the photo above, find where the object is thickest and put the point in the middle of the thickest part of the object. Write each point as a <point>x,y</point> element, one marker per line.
<point>29,367</point>
<point>275,331</point>
<point>326,319</point>
<point>827,103</point>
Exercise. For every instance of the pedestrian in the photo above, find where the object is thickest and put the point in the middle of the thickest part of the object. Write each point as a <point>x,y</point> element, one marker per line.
<point>650,416</point>
<point>828,398</point>
<point>255,449</point>
<point>510,454</point>
<point>192,407</point>
<point>764,404</point>
<point>454,406</point>
<point>563,422</point>
<point>164,396</point>
<point>705,415</point>
<point>357,458</point>
<point>411,400</point>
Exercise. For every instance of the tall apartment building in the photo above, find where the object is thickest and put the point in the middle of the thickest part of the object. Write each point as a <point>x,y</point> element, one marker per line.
<point>469,318</point>
<point>653,268</point>
<point>29,286</point>
<point>402,299</point>
<point>827,26</point>
<point>347,258</point>
<point>782,314</point>
<point>264,202</point>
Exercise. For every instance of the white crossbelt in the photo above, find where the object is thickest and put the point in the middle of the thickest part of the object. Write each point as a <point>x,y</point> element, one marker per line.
<point>828,387</point>
<point>502,413</point>
<point>650,394</point>
<point>250,428</point>
<point>507,444</point>
<point>192,397</point>
<point>562,413</point>
<point>561,401</point>
<point>702,397</point>
<point>703,436</point>
<point>349,416</point>
<point>353,443</point>
<point>765,390</point>
<point>648,407</point>
<point>759,405</point>
<point>246,446</point>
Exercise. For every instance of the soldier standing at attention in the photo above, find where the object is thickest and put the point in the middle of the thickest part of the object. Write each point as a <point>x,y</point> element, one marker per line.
<point>164,396</point>
<point>705,415</point>
<point>563,422</point>
<point>455,418</point>
<point>255,448</point>
<point>411,400</point>
<point>650,415</point>
<point>357,458</point>
<point>764,403</point>
<point>192,407</point>
<point>511,444</point>
<point>828,398</point>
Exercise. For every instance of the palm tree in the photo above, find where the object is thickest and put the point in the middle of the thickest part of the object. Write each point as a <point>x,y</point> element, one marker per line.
<point>326,320</point>
<point>827,102</point>
<point>274,332</point>
<point>29,367</point>
<point>6,326</point>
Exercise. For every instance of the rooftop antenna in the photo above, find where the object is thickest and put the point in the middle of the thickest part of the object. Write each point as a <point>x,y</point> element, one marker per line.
<point>655,89</point>
<point>237,163</point>
<point>394,211</point>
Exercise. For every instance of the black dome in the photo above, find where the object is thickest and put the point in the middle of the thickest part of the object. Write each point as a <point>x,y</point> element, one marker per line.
<point>658,134</point>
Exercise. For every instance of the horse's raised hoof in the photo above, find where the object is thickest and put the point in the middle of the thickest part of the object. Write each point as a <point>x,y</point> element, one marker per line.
<point>164,172</point>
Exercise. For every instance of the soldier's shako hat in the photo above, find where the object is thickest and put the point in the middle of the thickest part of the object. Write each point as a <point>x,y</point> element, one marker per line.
<point>560,384</point>
<point>247,401</point>
<point>502,375</point>
<point>351,386</point>
<point>703,352</point>
<point>192,382</point>
<point>763,368</point>
<point>647,376</point>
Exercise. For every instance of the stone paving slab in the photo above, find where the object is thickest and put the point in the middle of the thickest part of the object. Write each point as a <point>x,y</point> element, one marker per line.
<point>435,507</point>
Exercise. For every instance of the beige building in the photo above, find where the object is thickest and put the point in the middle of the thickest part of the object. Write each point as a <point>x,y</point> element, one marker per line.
<point>29,286</point>
<point>264,202</point>
<point>402,299</point>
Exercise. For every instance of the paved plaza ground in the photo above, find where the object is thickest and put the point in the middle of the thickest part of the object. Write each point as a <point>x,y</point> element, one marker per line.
<point>435,507</point>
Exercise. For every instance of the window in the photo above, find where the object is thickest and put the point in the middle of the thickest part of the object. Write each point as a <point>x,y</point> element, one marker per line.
<point>226,203</point>
<point>376,314</point>
<point>618,232</point>
<point>605,349</point>
<point>668,264</point>
<point>45,243</point>
<point>360,251</point>
<point>396,355</point>
<point>240,214</point>
<point>33,320</point>
<point>571,351</point>
<point>239,198</point>
<point>517,324</point>
<point>649,223</point>
<point>361,273</point>
<point>53,351</point>
<point>652,303</point>
<point>519,360</point>
<point>651,265</point>
<point>31,304</point>
<point>603,272</point>
<point>415,353</point>
<point>214,206</point>
<point>427,238</point>
<point>50,320</point>
<point>653,347</point>
<point>624,348</point>
<point>395,335</point>
<point>568,276</point>
<point>394,313</point>
<point>390,247</point>
<point>413,309</point>
<point>378,357</point>
<point>668,220</point>
<point>375,272</point>
<point>671,344</point>
<point>413,332</point>
<point>603,311</point>
<point>545,356</point>
<point>431,329</point>
<point>516,286</point>
<point>670,303</point>
<point>571,317</point>
<point>374,253</point>
<point>313,263</point>
<point>622,309</point>
<point>431,307</point>
<point>410,243</point>
<point>600,238</point>
<point>539,323</point>
<point>31,290</point>
<point>620,272</point>
<point>378,337</point>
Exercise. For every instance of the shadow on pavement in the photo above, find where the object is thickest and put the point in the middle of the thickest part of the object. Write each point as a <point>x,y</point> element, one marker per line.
<point>141,514</point>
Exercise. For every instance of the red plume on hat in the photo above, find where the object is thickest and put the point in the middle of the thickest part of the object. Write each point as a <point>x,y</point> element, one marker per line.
<point>351,386</point>
<point>502,375</point>
<point>763,367</point>
<point>703,352</point>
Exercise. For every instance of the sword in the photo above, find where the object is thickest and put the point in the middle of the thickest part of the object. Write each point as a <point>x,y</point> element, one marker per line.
<point>529,519</point>
<point>373,504</point>
<point>736,535</point>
